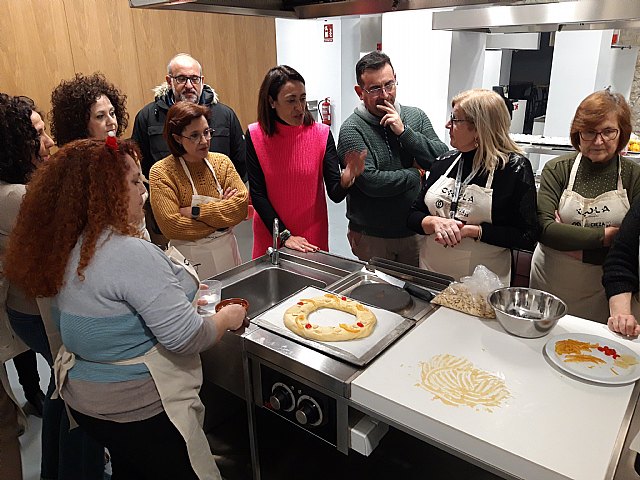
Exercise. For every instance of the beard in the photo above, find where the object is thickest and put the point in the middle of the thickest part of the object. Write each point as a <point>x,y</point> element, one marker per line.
<point>187,96</point>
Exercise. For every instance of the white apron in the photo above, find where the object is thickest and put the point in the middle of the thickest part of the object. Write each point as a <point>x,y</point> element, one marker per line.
<point>473,208</point>
<point>216,252</point>
<point>178,379</point>
<point>579,284</point>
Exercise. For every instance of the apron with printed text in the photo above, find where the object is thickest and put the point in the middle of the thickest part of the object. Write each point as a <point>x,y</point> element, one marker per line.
<point>216,252</point>
<point>474,208</point>
<point>579,284</point>
<point>178,379</point>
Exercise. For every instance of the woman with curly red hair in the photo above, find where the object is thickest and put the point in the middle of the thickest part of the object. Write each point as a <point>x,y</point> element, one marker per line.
<point>24,145</point>
<point>131,335</point>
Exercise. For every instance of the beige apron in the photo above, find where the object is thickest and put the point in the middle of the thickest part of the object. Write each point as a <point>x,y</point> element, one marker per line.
<point>218,251</point>
<point>579,284</point>
<point>10,346</point>
<point>143,224</point>
<point>178,379</point>
<point>474,208</point>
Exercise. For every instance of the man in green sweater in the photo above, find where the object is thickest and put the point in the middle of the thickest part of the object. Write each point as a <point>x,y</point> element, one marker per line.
<point>399,140</point>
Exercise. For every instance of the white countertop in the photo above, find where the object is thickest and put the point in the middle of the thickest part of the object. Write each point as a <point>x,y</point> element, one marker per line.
<point>551,427</point>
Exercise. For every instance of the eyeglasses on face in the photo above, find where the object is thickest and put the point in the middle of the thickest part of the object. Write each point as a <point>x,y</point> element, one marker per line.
<point>195,136</point>
<point>377,91</point>
<point>454,120</point>
<point>607,135</point>
<point>182,79</point>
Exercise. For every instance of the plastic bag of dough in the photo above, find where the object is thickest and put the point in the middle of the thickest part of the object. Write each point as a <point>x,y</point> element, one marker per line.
<point>470,294</point>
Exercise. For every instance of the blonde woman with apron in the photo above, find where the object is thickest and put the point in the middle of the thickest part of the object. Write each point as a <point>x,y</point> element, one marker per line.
<point>196,195</point>
<point>216,252</point>
<point>471,206</point>
<point>478,215</point>
<point>582,200</point>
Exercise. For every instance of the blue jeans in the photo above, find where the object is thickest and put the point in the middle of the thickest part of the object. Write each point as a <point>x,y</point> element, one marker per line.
<point>66,454</point>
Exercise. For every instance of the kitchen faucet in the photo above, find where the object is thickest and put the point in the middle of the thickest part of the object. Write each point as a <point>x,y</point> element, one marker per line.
<point>273,251</point>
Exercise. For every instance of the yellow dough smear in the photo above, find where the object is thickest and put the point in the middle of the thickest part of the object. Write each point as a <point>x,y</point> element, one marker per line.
<point>456,381</point>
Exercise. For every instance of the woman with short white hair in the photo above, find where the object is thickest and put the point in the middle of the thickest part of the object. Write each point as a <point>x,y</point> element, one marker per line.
<point>479,200</point>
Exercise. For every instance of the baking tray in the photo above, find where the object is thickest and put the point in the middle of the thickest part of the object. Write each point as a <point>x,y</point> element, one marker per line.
<point>390,326</point>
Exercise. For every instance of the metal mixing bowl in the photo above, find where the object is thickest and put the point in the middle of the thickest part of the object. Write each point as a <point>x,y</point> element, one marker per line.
<point>527,312</point>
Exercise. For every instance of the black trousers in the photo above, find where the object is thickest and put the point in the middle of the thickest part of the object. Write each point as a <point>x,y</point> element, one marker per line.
<point>148,449</point>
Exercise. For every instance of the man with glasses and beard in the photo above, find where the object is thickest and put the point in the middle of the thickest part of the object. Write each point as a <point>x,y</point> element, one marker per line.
<point>185,82</point>
<point>400,141</point>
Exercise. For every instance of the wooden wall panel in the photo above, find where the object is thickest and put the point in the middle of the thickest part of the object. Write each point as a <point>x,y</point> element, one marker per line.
<point>45,41</point>
<point>34,48</point>
<point>102,39</point>
<point>235,52</point>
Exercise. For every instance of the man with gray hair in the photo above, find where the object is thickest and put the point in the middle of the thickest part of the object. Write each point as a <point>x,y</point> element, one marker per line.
<point>185,82</point>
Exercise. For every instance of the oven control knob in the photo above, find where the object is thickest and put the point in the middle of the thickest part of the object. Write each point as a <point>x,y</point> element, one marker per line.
<point>309,412</point>
<point>282,398</point>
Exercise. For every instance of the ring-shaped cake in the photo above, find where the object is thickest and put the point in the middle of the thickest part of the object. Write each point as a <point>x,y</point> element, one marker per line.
<point>296,319</point>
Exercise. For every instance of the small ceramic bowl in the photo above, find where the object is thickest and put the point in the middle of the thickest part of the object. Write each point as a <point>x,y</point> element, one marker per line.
<point>232,301</point>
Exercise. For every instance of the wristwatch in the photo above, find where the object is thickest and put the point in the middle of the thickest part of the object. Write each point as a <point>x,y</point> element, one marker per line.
<point>195,212</point>
<point>284,236</point>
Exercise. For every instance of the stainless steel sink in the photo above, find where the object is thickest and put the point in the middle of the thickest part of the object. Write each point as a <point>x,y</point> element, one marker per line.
<point>267,287</point>
<point>264,285</point>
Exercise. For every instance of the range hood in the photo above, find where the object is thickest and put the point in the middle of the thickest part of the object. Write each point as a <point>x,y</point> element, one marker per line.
<point>507,16</point>
<point>305,9</point>
<point>543,17</point>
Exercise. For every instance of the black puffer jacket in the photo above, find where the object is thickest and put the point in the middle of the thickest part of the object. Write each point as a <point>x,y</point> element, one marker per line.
<point>228,137</point>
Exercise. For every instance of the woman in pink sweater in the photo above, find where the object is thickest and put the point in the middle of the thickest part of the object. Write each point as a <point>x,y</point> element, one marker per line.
<point>290,158</point>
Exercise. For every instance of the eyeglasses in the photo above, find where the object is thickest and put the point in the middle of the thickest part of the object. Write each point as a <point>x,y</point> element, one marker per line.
<point>195,136</point>
<point>182,79</point>
<point>453,119</point>
<point>607,135</point>
<point>377,91</point>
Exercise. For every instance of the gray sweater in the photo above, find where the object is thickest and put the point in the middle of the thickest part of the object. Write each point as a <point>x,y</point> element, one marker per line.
<point>379,202</point>
<point>132,297</point>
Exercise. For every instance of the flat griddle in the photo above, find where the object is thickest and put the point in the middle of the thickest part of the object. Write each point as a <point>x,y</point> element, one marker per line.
<point>382,295</point>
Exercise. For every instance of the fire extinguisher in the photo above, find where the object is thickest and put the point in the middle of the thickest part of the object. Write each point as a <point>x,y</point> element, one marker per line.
<point>325,111</point>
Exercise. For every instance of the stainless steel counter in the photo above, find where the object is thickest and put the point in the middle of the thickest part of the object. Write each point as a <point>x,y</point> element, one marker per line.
<point>248,362</point>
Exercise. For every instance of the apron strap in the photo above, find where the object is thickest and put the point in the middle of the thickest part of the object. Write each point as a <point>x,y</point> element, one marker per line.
<point>574,172</point>
<point>215,177</point>
<point>490,178</point>
<point>620,186</point>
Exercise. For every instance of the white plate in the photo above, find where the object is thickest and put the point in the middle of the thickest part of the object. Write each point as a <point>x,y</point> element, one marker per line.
<point>599,373</point>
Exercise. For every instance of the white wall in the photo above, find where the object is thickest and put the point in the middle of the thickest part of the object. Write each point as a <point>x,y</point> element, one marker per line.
<point>497,68</point>
<point>492,66</point>
<point>300,44</point>
<point>421,58</point>
<point>584,62</point>
<point>467,61</point>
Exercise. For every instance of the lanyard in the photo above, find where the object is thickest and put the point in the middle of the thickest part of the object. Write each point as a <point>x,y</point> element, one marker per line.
<point>456,189</point>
